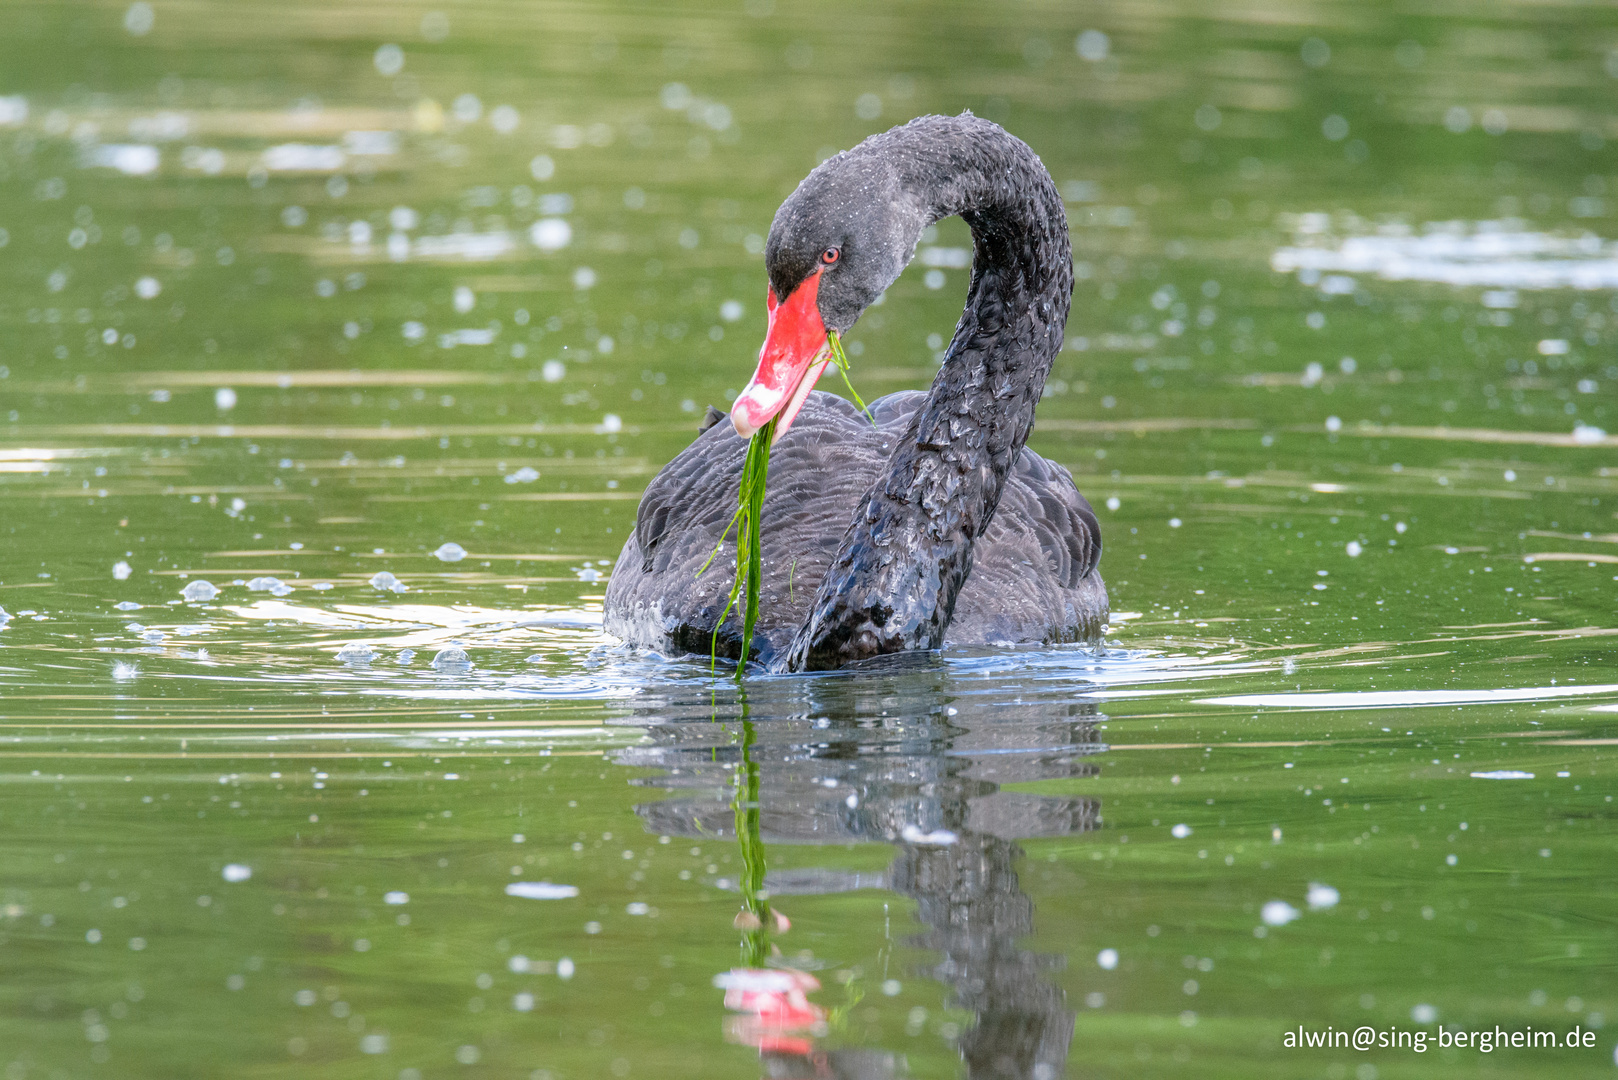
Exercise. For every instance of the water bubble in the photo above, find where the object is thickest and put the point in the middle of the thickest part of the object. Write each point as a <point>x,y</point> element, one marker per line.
<point>449,551</point>
<point>147,287</point>
<point>523,1002</point>
<point>1107,958</point>
<point>1353,549</point>
<point>524,475</point>
<point>1278,913</point>
<point>121,570</point>
<point>1322,896</point>
<point>138,19</point>
<point>236,872</point>
<point>396,897</point>
<point>1457,119</point>
<point>1424,1014</point>
<point>389,59</point>
<point>584,278</point>
<point>612,423</point>
<point>451,658</point>
<point>731,310</point>
<point>467,108</point>
<point>1334,424</point>
<point>550,234</point>
<point>1316,53</point>
<point>1092,45</point>
<point>356,652</point>
<point>675,96</point>
<point>553,371</point>
<point>912,834</point>
<point>542,167</point>
<point>564,968</point>
<point>199,591</point>
<point>465,299</point>
<point>504,119</point>
<point>1113,502</point>
<point>868,107</point>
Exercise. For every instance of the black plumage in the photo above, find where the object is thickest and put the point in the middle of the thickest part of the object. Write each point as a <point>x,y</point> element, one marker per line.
<point>936,525</point>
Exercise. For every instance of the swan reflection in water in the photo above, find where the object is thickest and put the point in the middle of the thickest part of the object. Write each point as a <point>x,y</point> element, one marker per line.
<point>894,759</point>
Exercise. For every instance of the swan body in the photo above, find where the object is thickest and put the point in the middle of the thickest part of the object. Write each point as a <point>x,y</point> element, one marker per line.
<point>1032,576</point>
<point>934,524</point>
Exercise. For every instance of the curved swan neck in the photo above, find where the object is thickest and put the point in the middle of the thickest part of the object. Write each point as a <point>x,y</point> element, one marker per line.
<point>893,584</point>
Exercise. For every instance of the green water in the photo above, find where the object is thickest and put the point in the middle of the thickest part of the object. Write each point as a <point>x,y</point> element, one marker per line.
<point>1339,375</point>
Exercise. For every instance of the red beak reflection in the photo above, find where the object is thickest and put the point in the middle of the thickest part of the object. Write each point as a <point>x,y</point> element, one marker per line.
<point>795,353</point>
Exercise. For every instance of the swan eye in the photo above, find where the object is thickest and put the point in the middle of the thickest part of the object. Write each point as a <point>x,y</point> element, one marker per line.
<point>831,255</point>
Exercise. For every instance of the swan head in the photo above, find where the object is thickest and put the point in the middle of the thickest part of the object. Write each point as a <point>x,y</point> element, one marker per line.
<point>835,246</point>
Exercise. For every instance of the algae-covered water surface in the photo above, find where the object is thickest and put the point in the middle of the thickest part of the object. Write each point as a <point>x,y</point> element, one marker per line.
<point>338,341</point>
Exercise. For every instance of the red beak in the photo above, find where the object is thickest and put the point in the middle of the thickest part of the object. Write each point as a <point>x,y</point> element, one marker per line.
<point>795,353</point>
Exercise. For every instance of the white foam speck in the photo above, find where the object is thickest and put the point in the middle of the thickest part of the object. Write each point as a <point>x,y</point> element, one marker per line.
<point>1502,774</point>
<point>912,834</point>
<point>131,159</point>
<point>121,571</point>
<point>304,157</point>
<point>1180,831</point>
<point>550,234</point>
<point>544,890</point>
<point>1107,958</point>
<point>1322,896</point>
<point>396,897</point>
<point>1278,913</point>
<point>237,872</point>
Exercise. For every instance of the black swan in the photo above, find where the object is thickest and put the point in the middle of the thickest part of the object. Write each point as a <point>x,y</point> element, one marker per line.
<point>932,526</point>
